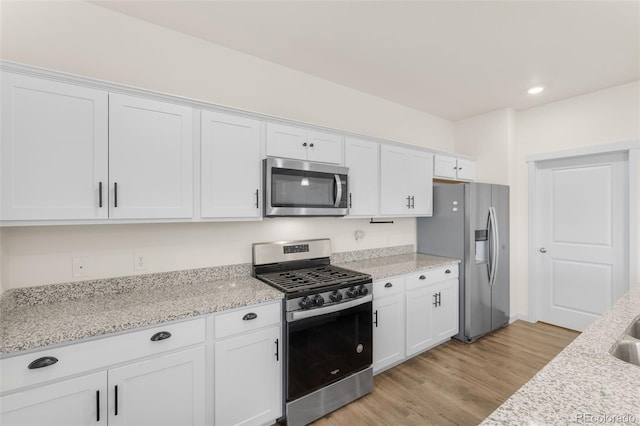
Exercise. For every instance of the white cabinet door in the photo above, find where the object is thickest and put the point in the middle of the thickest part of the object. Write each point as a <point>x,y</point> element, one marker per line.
<point>388,331</point>
<point>419,321</point>
<point>445,314</point>
<point>248,382</point>
<point>54,150</point>
<point>421,183</point>
<point>466,169</point>
<point>150,159</point>
<point>286,141</point>
<point>324,147</point>
<point>362,158</point>
<point>76,402</point>
<point>444,166</point>
<point>169,390</point>
<point>230,161</point>
<point>394,179</point>
<point>303,144</point>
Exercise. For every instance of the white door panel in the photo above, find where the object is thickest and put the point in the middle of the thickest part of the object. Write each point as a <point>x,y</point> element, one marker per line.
<point>583,239</point>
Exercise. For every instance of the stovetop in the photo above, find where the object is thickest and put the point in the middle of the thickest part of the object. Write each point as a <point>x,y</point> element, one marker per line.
<point>307,279</point>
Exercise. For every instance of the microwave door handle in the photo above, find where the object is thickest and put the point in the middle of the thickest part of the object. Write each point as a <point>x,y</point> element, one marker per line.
<point>338,184</point>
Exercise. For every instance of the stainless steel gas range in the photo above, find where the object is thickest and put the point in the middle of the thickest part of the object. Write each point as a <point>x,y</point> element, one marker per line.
<point>328,327</point>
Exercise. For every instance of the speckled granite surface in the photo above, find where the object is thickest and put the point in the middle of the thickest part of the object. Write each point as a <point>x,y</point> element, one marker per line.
<point>31,326</point>
<point>584,383</point>
<point>389,266</point>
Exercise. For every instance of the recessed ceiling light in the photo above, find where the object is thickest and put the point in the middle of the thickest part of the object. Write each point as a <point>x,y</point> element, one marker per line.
<point>535,90</point>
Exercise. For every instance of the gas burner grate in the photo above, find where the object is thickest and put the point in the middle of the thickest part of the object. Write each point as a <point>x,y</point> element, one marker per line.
<point>310,278</point>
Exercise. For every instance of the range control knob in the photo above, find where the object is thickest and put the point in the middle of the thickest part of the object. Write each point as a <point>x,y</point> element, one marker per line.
<point>306,303</point>
<point>318,300</point>
<point>363,291</point>
<point>353,292</point>
<point>336,296</point>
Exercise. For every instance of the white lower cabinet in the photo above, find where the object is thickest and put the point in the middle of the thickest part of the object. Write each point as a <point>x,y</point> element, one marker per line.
<point>164,391</point>
<point>160,380</point>
<point>412,313</point>
<point>388,327</point>
<point>79,401</point>
<point>248,366</point>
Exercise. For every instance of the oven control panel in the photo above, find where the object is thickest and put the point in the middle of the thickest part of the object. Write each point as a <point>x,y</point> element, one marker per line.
<point>328,298</point>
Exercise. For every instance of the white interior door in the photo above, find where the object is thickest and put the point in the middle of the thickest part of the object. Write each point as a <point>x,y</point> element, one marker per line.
<point>582,238</point>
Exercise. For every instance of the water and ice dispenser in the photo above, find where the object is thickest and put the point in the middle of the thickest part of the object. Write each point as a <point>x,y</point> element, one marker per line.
<point>482,245</point>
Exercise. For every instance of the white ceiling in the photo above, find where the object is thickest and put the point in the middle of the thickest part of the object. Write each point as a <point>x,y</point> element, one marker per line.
<point>453,59</point>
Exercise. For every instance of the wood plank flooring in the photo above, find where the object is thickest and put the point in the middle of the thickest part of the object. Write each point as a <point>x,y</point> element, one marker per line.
<point>456,383</point>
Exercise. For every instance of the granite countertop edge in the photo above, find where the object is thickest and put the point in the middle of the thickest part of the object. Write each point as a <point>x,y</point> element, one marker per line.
<point>49,315</point>
<point>584,380</point>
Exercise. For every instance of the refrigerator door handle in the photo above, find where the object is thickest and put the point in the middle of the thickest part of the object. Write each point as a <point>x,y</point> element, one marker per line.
<point>495,238</point>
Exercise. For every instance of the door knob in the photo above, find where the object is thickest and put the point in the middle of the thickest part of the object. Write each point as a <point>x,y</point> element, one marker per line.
<point>542,250</point>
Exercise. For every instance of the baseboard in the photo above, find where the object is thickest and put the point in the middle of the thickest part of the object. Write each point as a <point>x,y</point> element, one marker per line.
<point>519,316</point>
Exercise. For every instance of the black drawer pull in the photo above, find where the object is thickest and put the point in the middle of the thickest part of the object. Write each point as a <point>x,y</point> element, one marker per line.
<point>448,271</point>
<point>250,316</point>
<point>388,285</point>
<point>422,277</point>
<point>160,335</point>
<point>45,361</point>
<point>97,406</point>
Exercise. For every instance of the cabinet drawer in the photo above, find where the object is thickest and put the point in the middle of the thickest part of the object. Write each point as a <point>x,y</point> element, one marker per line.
<point>388,286</point>
<point>431,276</point>
<point>80,357</point>
<point>247,319</point>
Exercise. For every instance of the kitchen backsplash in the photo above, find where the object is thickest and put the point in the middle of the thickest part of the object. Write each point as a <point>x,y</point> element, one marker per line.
<point>37,295</point>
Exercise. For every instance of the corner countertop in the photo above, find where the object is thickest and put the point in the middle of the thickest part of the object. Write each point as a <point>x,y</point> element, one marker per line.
<point>584,383</point>
<point>47,323</point>
<point>389,266</point>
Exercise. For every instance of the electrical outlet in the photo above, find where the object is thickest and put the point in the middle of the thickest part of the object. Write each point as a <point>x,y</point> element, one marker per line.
<point>139,262</point>
<point>80,266</point>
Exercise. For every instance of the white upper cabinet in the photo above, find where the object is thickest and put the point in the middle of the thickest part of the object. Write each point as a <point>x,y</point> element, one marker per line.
<point>54,150</point>
<point>362,157</point>
<point>230,166</point>
<point>302,144</point>
<point>150,158</point>
<point>449,167</point>
<point>406,180</point>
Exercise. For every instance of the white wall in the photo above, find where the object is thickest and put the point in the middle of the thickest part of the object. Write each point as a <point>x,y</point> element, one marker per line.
<point>84,39</point>
<point>43,255</point>
<point>602,117</point>
<point>489,139</point>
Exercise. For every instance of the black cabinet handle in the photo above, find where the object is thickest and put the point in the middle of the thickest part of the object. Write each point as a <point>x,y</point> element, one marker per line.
<point>115,411</point>
<point>277,349</point>
<point>448,271</point>
<point>422,277</point>
<point>413,202</point>
<point>311,145</point>
<point>45,361</point>
<point>439,299</point>
<point>100,194</point>
<point>408,201</point>
<point>257,202</point>
<point>435,300</point>
<point>375,321</point>
<point>388,285</point>
<point>250,316</point>
<point>350,200</point>
<point>115,194</point>
<point>97,406</point>
<point>160,335</point>
<point>304,144</point>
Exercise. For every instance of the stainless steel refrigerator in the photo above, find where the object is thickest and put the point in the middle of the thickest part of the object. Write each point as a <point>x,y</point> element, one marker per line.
<point>471,222</point>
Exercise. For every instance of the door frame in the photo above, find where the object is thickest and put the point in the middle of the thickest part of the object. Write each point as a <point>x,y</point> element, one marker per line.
<point>632,148</point>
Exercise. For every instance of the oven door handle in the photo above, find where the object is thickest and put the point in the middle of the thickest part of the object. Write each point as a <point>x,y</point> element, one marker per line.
<point>299,315</point>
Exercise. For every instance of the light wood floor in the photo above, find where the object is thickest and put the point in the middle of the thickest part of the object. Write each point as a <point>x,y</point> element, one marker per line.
<point>456,383</point>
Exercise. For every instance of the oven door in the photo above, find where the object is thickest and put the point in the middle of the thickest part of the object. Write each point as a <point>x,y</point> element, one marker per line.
<point>327,344</point>
<point>301,188</point>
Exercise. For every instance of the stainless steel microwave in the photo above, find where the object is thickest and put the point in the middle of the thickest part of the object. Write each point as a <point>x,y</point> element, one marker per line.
<point>303,188</point>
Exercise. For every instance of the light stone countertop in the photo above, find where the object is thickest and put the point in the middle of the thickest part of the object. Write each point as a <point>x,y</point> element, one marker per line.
<point>584,383</point>
<point>34,317</point>
<point>36,325</point>
<point>389,266</point>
